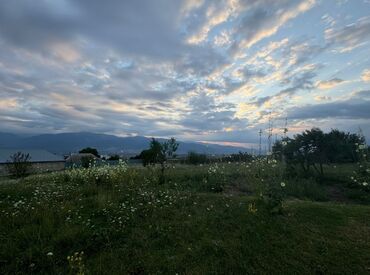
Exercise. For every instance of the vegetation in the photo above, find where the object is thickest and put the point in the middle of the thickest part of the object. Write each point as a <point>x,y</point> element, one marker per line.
<point>19,165</point>
<point>114,157</point>
<point>195,158</point>
<point>225,217</point>
<point>159,153</point>
<point>313,148</point>
<point>87,161</point>
<point>216,218</point>
<point>89,150</point>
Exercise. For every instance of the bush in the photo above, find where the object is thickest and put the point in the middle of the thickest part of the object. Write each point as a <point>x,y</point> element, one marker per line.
<point>19,164</point>
<point>195,158</point>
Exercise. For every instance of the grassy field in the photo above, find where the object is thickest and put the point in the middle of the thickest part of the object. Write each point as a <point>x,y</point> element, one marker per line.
<point>203,220</point>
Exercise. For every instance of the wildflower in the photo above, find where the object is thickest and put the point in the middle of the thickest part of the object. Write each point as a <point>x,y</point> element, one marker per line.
<point>282,184</point>
<point>362,146</point>
<point>49,254</point>
<point>252,208</point>
<point>364,183</point>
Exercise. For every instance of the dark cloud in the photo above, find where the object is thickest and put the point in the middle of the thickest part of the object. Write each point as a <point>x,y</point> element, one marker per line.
<point>347,109</point>
<point>263,19</point>
<point>139,27</point>
<point>131,66</point>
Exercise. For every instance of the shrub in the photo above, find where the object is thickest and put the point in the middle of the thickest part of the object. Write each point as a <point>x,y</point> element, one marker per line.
<point>215,180</point>
<point>195,158</point>
<point>19,164</point>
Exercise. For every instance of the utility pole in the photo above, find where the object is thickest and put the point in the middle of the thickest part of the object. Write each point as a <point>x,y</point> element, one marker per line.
<point>269,138</point>
<point>285,127</point>
<point>260,143</point>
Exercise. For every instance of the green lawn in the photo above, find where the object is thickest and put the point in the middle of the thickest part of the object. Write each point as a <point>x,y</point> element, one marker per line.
<point>135,226</point>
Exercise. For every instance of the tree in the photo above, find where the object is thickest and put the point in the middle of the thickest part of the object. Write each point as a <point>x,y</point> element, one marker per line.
<point>114,157</point>
<point>168,149</point>
<point>19,164</point>
<point>313,148</point>
<point>195,158</point>
<point>159,153</point>
<point>89,150</point>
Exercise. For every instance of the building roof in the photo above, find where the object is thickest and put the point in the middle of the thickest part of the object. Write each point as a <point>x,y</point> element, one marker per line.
<point>78,157</point>
<point>36,155</point>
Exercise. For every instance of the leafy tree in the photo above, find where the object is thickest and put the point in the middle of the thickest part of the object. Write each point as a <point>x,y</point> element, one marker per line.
<point>195,158</point>
<point>167,150</point>
<point>89,150</point>
<point>19,164</point>
<point>114,157</point>
<point>313,148</point>
<point>241,156</point>
<point>159,153</point>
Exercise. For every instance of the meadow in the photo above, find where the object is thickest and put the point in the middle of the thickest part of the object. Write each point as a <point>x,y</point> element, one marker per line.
<point>220,218</point>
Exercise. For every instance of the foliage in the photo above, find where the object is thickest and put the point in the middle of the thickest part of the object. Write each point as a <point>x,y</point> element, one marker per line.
<point>86,161</point>
<point>196,158</point>
<point>114,157</point>
<point>19,164</point>
<point>215,179</point>
<point>271,186</point>
<point>361,176</point>
<point>126,224</point>
<point>313,148</point>
<point>89,150</point>
<point>159,153</point>
<point>240,157</point>
<point>100,175</point>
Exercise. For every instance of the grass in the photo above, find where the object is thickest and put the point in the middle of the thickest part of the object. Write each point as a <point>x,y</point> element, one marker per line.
<point>135,226</point>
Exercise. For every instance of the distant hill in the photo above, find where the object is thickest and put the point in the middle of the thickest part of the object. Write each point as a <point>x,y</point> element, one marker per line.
<point>72,142</point>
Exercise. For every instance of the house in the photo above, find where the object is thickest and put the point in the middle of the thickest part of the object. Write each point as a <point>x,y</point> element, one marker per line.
<point>41,160</point>
<point>79,159</point>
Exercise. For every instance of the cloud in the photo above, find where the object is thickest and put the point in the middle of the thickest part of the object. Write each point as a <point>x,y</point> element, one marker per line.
<point>322,98</point>
<point>129,26</point>
<point>206,70</point>
<point>329,84</point>
<point>352,108</point>
<point>351,36</point>
<point>366,75</point>
<point>262,21</point>
<point>205,114</point>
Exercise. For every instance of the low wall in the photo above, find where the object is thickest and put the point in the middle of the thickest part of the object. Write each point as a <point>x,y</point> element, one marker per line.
<point>37,167</point>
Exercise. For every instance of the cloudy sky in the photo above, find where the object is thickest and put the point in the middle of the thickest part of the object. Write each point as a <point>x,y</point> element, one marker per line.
<point>206,70</point>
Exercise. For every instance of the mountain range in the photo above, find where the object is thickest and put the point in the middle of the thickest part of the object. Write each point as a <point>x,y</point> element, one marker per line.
<point>66,143</point>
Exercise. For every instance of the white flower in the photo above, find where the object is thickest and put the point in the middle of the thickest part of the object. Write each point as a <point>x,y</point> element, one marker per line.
<point>282,184</point>
<point>362,146</point>
<point>49,254</point>
<point>364,183</point>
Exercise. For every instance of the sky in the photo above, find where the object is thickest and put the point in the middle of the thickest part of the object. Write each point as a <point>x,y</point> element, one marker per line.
<point>199,70</point>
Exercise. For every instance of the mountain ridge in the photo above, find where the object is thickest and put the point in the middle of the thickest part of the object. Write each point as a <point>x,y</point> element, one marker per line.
<point>64,143</point>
